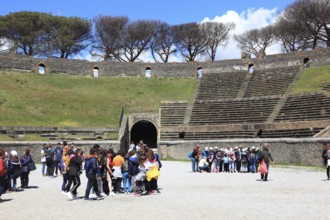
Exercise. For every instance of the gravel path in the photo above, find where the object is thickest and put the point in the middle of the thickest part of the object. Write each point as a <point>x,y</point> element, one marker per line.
<point>290,193</point>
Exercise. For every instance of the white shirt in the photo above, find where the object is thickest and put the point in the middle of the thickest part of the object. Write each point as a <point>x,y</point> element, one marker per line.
<point>43,157</point>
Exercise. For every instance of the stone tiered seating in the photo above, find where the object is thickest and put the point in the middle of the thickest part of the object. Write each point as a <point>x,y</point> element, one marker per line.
<point>305,107</point>
<point>247,110</point>
<point>208,135</point>
<point>172,113</point>
<point>326,87</point>
<point>271,81</point>
<point>291,133</point>
<point>220,85</point>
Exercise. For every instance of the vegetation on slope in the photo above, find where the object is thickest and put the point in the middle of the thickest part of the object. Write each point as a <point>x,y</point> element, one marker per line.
<point>28,99</point>
<point>312,80</point>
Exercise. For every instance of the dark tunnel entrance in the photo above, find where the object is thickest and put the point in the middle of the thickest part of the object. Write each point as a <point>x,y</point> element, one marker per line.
<point>146,131</point>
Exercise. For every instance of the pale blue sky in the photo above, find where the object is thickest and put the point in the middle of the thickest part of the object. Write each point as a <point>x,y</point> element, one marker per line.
<point>246,14</point>
<point>171,11</point>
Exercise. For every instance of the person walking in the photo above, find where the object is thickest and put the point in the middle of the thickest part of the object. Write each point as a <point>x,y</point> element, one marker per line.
<point>267,157</point>
<point>74,172</point>
<point>91,168</point>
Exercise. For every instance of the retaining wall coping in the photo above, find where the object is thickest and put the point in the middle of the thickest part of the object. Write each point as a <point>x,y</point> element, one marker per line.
<point>55,142</point>
<point>250,140</point>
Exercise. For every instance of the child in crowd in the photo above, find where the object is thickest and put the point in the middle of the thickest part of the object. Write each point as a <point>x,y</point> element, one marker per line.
<point>126,177</point>
<point>13,170</point>
<point>140,177</point>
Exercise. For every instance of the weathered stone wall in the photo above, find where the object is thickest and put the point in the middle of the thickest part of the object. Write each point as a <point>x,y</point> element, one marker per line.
<point>36,146</point>
<point>287,150</point>
<point>83,67</point>
<point>40,130</point>
<point>248,127</point>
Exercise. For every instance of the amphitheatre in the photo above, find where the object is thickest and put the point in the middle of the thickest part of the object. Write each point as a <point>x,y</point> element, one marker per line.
<point>225,105</point>
<point>284,102</point>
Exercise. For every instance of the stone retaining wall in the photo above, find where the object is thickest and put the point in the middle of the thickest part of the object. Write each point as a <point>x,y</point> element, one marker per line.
<point>36,146</point>
<point>287,150</point>
<point>85,68</point>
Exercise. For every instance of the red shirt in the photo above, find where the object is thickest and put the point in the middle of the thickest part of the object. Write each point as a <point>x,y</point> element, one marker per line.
<point>2,167</point>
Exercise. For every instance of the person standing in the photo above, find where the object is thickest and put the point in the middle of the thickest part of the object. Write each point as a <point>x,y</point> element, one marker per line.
<point>267,157</point>
<point>3,173</point>
<point>195,158</point>
<point>25,169</point>
<point>43,160</point>
<point>58,156</point>
<point>326,158</point>
<point>117,173</point>
<point>126,176</point>
<point>50,154</point>
<point>13,170</point>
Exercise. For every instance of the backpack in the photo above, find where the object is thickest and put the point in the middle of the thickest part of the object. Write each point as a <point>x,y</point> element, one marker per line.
<point>190,155</point>
<point>87,165</point>
<point>327,155</point>
<point>17,171</point>
<point>124,167</point>
<point>62,167</point>
<point>252,156</point>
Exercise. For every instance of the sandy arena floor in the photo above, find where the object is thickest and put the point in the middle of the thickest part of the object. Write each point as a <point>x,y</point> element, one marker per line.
<point>290,193</point>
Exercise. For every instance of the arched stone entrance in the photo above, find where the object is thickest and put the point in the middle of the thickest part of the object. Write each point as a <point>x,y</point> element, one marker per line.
<point>146,131</point>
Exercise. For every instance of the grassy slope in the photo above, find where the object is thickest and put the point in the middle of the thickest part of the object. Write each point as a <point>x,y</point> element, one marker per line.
<point>28,99</point>
<point>312,80</point>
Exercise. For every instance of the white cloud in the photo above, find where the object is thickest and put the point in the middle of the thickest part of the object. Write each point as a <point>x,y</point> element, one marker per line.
<point>247,20</point>
<point>5,45</point>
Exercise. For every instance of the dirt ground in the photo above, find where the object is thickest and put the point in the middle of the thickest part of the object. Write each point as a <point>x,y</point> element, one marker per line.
<point>290,193</point>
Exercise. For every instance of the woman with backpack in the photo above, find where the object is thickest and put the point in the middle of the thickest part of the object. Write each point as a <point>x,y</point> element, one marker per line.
<point>126,177</point>
<point>252,160</point>
<point>64,166</point>
<point>133,168</point>
<point>14,170</point>
<point>102,172</point>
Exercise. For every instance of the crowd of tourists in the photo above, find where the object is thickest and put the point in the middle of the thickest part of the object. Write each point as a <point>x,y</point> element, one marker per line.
<point>12,168</point>
<point>136,172</point>
<point>109,173</point>
<point>231,160</point>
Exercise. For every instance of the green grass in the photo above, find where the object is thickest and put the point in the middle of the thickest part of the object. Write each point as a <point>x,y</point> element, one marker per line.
<point>6,138</point>
<point>312,80</point>
<point>28,99</point>
<point>29,137</point>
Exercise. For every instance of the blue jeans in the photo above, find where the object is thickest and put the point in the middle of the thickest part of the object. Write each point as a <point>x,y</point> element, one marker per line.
<point>252,166</point>
<point>127,182</point>
<point>2,185</point>
<point>43,168</point>
<point>13,186</point>
<point>65,180</point>
<point>194,164</point>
